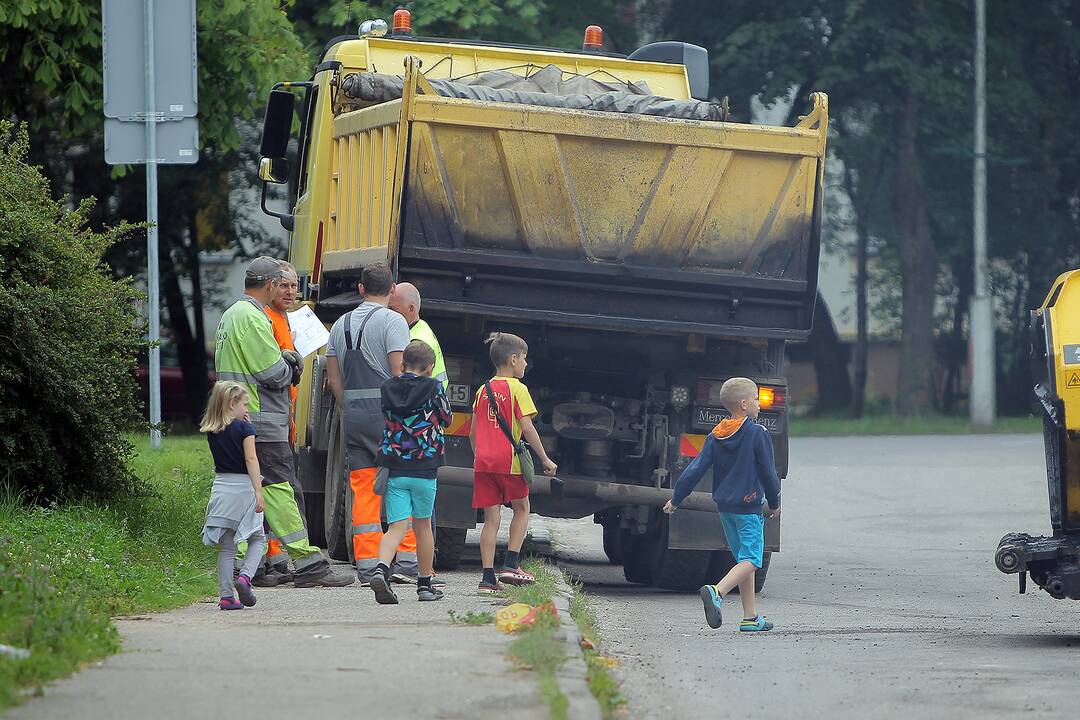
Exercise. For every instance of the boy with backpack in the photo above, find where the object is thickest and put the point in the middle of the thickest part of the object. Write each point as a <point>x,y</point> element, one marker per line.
<point>415,410</point>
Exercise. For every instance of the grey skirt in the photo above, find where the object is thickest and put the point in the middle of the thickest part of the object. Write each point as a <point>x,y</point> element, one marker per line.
<point>231,509</point>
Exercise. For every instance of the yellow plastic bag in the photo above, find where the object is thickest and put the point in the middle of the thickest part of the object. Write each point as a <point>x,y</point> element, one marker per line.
<point>519,615</point>
<point>510,617</point>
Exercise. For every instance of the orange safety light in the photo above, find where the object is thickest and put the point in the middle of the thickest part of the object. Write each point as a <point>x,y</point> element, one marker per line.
<point>594,38</point>
<point>402,22</point>
<point>769,397</point>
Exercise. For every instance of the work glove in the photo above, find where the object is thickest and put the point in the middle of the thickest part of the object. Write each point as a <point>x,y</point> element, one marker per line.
<point>296,362</point>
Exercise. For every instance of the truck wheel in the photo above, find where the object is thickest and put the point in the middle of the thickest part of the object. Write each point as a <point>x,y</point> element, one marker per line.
<point>759,576</point>
<point>680,570</point>
<point>613,547</point>
<point>321,409</point>
<point>720,563</point>
<point>636,567</point>
<point>336,513</point>
<point>449,547</point>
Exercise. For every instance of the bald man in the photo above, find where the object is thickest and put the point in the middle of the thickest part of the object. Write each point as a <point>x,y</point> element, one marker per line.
<point>405,300</point>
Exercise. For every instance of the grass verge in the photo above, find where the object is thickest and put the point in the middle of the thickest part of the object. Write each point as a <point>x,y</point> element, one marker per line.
<point>602,683</point>
<point>66,571</point>
<point>892,425</point>
<point>537,646</point>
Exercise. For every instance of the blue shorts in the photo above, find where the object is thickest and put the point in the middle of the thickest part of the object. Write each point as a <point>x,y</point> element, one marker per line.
<point>745,536</point>
<point>408,497</point>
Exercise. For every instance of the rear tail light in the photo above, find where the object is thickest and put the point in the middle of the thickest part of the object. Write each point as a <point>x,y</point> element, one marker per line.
<point>769,396</point>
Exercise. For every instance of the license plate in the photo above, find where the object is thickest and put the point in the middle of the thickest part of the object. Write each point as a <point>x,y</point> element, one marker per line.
<point>459,394</point>
<point>709,417</point>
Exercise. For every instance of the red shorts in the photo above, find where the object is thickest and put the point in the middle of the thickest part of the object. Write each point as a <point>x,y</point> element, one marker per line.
<point>497,489</point>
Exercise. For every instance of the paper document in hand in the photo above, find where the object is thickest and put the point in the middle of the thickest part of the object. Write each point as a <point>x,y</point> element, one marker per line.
<point>309,334</point>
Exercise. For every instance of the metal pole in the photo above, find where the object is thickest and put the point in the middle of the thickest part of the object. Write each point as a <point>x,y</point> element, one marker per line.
<point>152,290</point>
<point>983,404</point>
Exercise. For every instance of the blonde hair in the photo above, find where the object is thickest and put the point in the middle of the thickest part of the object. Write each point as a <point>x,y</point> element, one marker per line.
<point>735,390</point>
<point>222,396</point>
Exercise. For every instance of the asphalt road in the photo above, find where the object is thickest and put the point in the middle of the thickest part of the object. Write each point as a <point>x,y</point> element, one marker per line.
<point>885,597</point>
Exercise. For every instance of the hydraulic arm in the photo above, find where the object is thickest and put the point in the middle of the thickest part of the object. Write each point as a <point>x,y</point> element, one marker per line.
<point>1054,562</point>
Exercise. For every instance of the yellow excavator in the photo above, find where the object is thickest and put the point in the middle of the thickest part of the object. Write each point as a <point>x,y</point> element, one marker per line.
<point>1054,562</point>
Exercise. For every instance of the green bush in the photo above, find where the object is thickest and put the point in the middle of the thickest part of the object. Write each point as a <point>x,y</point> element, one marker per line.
<point>69,335</point>
<point>66,570</point>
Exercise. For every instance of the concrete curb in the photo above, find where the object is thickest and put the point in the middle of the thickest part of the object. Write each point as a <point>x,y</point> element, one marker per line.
<point>572,674</point>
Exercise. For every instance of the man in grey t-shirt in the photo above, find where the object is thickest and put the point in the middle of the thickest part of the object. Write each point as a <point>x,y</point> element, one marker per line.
<point>382,343</point>
<point>365,349</point>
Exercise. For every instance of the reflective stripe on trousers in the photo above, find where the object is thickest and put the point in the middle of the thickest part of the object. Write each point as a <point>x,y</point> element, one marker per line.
<point>283,516</point>
<point>367,524</point>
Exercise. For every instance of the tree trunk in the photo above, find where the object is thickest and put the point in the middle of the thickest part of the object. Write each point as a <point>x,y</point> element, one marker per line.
<point>830,363</point>
<point>860,198</point>
<point>918,266</point>
<point>190,348</point>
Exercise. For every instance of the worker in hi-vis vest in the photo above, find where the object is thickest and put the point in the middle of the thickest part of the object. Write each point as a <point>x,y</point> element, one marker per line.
<point>275,570</point>
<point>365,349</point>
<point>406,302</point>
<point>246,352</point>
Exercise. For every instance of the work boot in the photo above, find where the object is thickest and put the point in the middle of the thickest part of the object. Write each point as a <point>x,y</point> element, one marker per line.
<point>271,577</point>
<point>322,576</point>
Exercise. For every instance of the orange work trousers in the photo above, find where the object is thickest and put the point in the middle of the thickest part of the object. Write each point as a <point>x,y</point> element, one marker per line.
<point>367,527</point>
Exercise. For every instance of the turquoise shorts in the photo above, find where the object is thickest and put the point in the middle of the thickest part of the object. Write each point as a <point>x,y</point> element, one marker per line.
<point>409,497</point>
<point>745,536</point>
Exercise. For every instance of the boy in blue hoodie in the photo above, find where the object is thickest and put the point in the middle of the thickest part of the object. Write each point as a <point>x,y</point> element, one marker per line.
<point>740,454</point>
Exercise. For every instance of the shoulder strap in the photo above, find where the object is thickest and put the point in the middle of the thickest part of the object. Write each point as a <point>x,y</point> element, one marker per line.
<point>498,415</point>
<point>360,333</point>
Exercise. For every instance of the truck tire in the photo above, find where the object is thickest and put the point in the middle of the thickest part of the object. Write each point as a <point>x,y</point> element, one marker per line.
<point>321,409</point>
<point>759,576</point>
<point>449,547</point>
<point>722,561</point>
<point>613,547</point>
<point>636,567</point>
<point>336,512</point>
<point>679,570</point>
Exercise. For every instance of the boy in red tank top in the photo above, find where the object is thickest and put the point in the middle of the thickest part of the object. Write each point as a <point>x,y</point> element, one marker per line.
<point>497,478</point>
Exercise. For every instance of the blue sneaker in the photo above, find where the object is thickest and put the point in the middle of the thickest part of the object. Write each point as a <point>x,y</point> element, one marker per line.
<point>757,624</point>
<point>713,603</point>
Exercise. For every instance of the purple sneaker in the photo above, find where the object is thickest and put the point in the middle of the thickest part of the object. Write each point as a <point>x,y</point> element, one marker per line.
<point>230,603</point>
<point>243,589</point>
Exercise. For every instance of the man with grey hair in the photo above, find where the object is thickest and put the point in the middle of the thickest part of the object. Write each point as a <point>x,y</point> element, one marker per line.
<point>405,300</point>
<point>246,351</point>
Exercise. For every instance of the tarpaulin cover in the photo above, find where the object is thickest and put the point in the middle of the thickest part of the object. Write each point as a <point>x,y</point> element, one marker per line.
<point>546,87</point>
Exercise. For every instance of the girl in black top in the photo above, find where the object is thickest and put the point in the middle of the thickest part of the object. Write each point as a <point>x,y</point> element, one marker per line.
<point>234,513</point>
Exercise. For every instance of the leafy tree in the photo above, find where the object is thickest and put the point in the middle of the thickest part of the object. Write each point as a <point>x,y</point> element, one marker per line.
<point>70,337</point>
<point>900,80</point>
<point>554,23</point>
<point>50,57</point>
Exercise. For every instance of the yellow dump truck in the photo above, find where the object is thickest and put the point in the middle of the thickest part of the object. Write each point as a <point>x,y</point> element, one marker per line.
<point>598,205</point>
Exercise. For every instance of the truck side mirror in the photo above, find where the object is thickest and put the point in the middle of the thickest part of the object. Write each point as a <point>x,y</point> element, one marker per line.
<point>274,170</point>
<point>694,57</point>
<point>277,125</point>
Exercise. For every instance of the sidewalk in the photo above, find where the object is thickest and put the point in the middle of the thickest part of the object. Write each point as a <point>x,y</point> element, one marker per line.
<point>320,652</point>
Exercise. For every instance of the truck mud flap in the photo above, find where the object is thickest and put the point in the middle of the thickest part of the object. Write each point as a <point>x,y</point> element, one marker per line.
<point>453,506</point>
<point>701,530</point>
